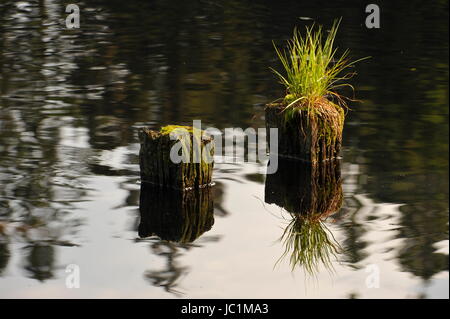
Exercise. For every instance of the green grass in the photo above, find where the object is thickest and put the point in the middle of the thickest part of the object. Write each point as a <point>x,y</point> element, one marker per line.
<point>312,68</point>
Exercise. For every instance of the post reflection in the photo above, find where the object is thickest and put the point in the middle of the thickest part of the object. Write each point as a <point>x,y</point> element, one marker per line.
<point>4,256</point>
<point>309,193</point>
<point>177,218</point>
<point>40,261</point>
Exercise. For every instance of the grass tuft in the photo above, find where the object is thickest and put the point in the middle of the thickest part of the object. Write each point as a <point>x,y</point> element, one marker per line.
<point>313,70</point>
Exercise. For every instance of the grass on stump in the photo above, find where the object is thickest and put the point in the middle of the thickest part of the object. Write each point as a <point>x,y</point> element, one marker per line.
<point>313,73</point>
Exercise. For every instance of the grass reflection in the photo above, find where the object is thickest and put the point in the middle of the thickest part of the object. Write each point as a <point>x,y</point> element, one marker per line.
<point>309,193</point>
<point>308,243</point>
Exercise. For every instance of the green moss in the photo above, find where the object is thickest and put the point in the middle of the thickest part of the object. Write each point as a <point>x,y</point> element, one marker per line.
<point>330,128</point>
<point>165,130</point>
<point>289,98</point>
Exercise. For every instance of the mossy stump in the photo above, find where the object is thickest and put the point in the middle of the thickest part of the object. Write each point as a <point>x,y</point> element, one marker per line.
<point>309,135</point>
<point>305,188</point>
<point>175,215</point>
<point>157,167</point>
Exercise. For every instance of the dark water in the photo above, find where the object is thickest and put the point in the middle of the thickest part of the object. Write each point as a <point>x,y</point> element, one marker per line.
<point>71,102</point>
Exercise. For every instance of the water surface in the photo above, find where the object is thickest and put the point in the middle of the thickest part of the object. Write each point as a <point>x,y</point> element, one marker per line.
<point>71,102</point>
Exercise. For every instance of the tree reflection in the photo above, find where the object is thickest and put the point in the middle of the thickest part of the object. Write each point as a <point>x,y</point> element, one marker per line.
<point>4,255</point>
<point>172,271</point>
<point>403,149</point>
<point>40,261</point>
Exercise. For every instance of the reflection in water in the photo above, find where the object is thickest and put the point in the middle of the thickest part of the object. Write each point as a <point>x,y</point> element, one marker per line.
<point>40,261</point>
<point>173,215</point>
<point>168,276</point>
<point>4,255</point>
<point>218,195</point>
<point>40,236</point>
<point>309,243</point>
<point>302,188</point>
<point>178,218</point>
<point>309,193</point>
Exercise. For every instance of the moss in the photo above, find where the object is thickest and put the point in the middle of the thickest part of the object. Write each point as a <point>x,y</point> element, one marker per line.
<point>289,98</point>
<point>165,130</point>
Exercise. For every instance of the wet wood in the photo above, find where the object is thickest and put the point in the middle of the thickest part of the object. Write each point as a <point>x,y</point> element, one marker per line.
<point>302,137</point>
<point>175,215</point>
<point>157,167</point>
<point>305,188</point>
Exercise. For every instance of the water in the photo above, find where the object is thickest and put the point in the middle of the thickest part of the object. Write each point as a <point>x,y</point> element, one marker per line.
<point>71,102</point>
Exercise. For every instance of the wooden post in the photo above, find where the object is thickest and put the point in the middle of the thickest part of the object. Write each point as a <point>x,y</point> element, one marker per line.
<point>158,168</point>
<point>311,138</point>
<point>175,215</point>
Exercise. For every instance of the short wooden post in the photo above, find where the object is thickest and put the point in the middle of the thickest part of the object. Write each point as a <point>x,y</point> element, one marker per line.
<point>306,135</point>
<point>156,161</point>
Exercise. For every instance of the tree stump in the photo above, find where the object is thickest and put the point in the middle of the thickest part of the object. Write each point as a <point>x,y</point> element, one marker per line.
<point>175,215</point>
<point>305,188</point>
<point>311,138</point>
<point>157,167</point>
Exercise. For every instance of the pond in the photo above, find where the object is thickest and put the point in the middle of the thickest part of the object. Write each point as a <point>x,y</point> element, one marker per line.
<point>71,103</point>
